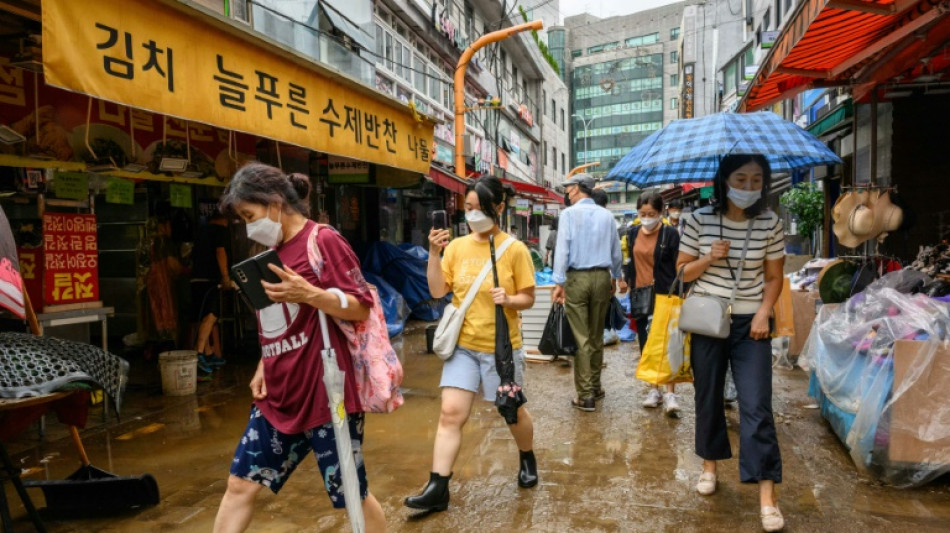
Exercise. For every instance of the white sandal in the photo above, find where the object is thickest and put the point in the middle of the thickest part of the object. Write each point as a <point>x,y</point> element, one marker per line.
<point>772,519</point>
<point>707,483</point>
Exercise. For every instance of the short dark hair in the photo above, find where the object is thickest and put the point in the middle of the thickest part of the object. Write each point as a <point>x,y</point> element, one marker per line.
<point>730,164</point>
<point>491,192</point>
<point>554,223</point>
<point>675,204</point>
<point>599,196</point>
<point>262,184</point>
<point>651,198</point>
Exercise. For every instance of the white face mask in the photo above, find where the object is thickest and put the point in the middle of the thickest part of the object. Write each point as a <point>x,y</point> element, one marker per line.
<point>478,221</point>
<point>265,231</point>
<point>742,198</point>
<point>650,222</point>
<point>675,215</point>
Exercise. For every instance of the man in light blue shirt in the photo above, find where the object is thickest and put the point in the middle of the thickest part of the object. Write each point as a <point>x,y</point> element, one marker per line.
<point>587,266</point>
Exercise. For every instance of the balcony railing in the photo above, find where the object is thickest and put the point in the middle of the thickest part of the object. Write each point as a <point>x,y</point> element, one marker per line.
<point>312,43</point>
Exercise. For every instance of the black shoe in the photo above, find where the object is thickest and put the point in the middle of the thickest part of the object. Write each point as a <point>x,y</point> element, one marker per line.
<point>599,395</point>
<point>528,474</point>
<point>587,404</point>
<point>435,495</point>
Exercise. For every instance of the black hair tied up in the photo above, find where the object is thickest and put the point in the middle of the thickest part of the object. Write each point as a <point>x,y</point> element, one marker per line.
<point>262,184</point>
<point>491,192</point>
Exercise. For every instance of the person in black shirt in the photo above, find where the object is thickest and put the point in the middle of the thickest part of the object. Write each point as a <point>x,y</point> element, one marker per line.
<point>210,272</point>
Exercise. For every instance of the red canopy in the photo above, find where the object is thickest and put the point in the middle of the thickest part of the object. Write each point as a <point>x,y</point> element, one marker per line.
<point>446,179</point>
<point>847,42</point>
<point>536,191</point>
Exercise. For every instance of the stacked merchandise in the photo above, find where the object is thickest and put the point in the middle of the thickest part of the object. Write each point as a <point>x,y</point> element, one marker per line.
<point>935,262</point>
<point>880,369</point>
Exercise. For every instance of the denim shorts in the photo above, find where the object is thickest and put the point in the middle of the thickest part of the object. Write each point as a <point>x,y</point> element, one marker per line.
<point>466,369</point>
<point>268,457</point>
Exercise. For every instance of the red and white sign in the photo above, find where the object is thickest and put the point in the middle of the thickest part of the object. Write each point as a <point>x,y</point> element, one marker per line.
<point>525,115</point>
<point>71,259</point>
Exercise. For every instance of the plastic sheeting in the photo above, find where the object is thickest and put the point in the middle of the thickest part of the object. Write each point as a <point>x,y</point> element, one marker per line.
<point>892,414</point>
<point>404,268</point>
<point>394,305</point>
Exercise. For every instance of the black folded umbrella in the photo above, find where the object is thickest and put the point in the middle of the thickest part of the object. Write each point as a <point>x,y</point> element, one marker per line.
<point>509,396</point>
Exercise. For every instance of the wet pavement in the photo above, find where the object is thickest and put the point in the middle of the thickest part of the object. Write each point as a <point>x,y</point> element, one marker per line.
<point>622,468</point>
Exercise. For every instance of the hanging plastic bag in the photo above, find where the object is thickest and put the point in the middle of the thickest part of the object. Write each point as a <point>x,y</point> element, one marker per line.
<point>665,358</point>
<point>557,337</point>
<point>616,315</point>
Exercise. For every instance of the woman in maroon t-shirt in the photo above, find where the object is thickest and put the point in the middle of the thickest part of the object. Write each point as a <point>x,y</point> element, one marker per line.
<point>291,415</point>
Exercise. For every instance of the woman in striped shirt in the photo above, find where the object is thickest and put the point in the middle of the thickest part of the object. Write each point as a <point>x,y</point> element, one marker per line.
<point>710,254</point>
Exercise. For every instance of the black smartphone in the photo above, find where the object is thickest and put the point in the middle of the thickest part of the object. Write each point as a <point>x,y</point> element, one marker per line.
<point>249,274</point>
<point>440,219</point>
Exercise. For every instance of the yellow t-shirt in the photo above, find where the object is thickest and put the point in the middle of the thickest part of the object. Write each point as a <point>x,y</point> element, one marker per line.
<point>463,260</point>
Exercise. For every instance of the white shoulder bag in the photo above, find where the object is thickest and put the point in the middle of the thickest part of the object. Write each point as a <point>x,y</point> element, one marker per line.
<point>447,334</point>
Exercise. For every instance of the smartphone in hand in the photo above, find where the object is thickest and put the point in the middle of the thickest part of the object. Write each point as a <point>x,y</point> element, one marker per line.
<point>440,219</point>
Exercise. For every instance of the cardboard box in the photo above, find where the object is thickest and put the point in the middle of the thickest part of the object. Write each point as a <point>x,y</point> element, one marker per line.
<point>803,309</point>
<point>922,408</point>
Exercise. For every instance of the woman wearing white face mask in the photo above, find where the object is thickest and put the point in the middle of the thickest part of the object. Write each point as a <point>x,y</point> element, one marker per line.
<point>290,415</point>
<point>710,254</point>
<point>653,248</point>
<point>472,365</point>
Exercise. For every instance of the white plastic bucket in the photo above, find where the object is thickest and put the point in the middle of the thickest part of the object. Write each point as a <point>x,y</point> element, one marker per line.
<point>179,372</point>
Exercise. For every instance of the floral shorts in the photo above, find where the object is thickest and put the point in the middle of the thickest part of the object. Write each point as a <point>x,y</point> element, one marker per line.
<point>268,457</point>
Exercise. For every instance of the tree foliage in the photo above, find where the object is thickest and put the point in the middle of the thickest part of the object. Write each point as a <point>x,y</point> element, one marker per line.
<point>807,204</point>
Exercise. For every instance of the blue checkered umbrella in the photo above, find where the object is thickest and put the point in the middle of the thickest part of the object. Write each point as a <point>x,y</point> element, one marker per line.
<point>689,150</point>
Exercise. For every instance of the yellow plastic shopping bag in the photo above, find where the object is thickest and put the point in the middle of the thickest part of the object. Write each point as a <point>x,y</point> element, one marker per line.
<point>665,357</point>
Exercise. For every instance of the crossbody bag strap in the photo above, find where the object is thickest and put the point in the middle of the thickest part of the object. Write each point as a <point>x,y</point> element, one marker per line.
<point>745,249</point>
<point>470,294</point>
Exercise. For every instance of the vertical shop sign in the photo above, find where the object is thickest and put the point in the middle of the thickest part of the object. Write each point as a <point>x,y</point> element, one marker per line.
<point>688,88</point>
<point>71,259</point>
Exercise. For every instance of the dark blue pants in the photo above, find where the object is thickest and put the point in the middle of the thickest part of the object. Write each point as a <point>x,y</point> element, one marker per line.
<point>751,360</point>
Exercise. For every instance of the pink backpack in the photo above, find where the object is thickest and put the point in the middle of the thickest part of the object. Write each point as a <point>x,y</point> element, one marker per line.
<point>378,371</point>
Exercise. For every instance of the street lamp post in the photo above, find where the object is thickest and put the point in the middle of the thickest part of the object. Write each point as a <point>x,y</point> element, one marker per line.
<point>586,136</point>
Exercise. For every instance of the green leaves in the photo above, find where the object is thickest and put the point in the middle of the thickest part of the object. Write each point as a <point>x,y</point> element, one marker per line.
<point>807,203</point>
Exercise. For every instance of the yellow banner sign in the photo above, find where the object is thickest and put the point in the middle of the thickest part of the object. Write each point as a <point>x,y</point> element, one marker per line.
<point>152,56</point>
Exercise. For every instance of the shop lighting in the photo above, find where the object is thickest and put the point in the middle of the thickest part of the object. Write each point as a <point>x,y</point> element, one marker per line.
<point>898,93</point>
<point>173,164</point>
<point>9,135</point>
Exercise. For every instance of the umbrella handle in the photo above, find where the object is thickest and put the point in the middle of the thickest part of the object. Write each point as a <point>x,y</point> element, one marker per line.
<point>494,269</point>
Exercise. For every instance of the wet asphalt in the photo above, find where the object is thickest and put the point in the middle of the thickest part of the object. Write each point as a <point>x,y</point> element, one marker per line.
<point>622,468</point>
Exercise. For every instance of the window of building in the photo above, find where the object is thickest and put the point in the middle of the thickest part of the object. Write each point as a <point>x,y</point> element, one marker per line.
<point>595,49</point>
<point>778,13</point>
<point>435,91</point>
<point>524,90</point>
<point>545,150</point>
<point>389,51</point>
<point>674,104</point>
<point>729,78</point>
<point>577,53</point>
<point>554,157</point>
<point>674,57</point>
<point>767,19</point>
<point>614,197</point>
<point>641,40</point>
<point>544,102</point>
<point>563,161</point>
<point>674,80</point>
<point>675,33</point>
<point>611,46</point>
<point>469,20</point>
<point>380,45</point>
<point>562,118</point>
<point>553,109</point>
<point>420,74</point>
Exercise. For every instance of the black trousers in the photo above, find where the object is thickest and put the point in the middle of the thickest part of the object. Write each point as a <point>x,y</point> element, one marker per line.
<point>751,360</point>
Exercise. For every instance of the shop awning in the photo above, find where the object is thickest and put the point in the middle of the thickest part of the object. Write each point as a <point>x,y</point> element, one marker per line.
<point>344,25</point>
<point>832,119</point>
<point>847,42</point>
<point>446,179</point>
<point>535,191</point>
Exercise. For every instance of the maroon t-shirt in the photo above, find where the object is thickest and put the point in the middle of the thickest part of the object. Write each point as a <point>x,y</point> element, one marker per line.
<point>291,340</point>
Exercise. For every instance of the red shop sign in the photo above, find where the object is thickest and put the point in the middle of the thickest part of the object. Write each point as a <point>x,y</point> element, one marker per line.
<point>71,259</point>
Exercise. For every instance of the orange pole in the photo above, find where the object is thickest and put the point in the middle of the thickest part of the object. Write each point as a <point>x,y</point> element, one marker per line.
<point>577,169</point>
<point>460,69</point>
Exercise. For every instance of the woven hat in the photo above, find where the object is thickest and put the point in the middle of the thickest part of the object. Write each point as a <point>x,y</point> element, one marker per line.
<point>887,216</point>
<point>834,281</point>
<point>854,221</point>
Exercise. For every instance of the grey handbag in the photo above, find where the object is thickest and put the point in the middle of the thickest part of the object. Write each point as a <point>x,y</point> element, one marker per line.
<point>708,315</point>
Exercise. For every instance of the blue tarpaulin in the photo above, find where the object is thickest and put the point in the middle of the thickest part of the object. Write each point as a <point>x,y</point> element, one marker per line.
<point>404,268</point>
<point>394,305</point>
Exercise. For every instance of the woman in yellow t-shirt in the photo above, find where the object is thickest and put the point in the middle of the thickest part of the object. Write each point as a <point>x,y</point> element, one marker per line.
<point>472,365</point>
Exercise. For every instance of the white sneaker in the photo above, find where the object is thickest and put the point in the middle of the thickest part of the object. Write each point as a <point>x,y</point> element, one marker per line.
<point>772,519</point>
<point>670,406</point>
<point>654,398</point>
<point>707,486</point>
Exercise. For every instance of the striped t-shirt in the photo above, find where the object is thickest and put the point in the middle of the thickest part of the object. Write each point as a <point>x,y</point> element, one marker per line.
<point>767,241</point>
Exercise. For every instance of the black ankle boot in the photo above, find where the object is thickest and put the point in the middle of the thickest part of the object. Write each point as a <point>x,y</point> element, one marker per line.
<point>435,495</point>
<point>528,474</point>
